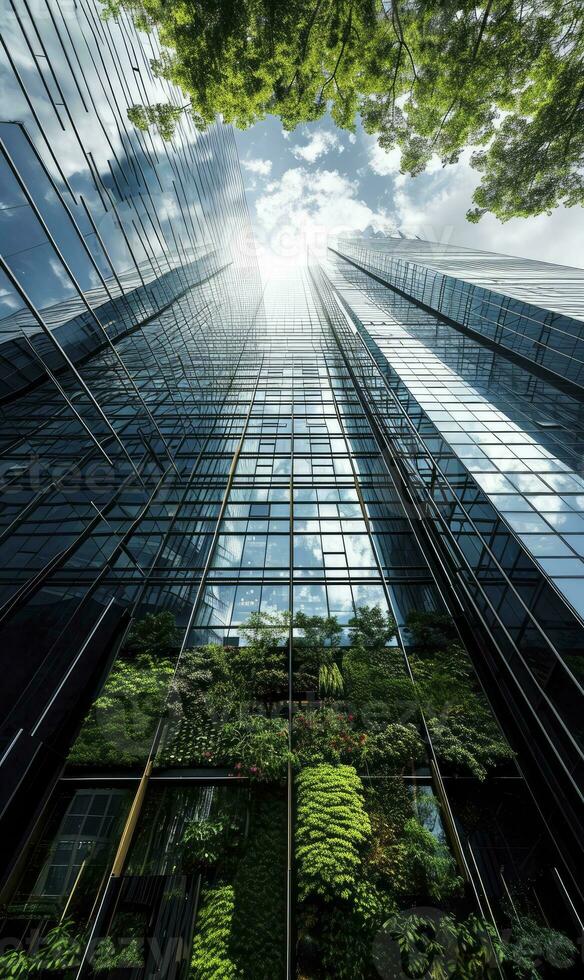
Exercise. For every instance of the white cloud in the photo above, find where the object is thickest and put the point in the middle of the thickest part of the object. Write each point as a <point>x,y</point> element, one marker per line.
<point>319,143</point>
<point>385,163</point>
<point>257,166</point>
<point>7,300</point>
<point>434,208</point>
<point>305,207</point>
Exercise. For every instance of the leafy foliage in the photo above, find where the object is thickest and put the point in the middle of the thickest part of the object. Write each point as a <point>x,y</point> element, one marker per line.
<point>332,828</point>
<point>330,680</point>
<point>431,631</point>
<point>376,693</point>
<point>256,747</point>
<point>371,630</point>
<point>153,636</point>
<point>205,841</point>
<point>241,928</point>
<point>469,741</point>
<point>347,933</point>
<point>214,681</point>
<point>409,861</point>
<point>376,684</point>
<point>463,730</point>
<point>119,727</point>
<point>428,864</point>
<point>162,116</point>
<point>506,77</point>
<point>121,722</point>
<point>431,78</point>
<point>211,958</point>
<point>325,735</point>
<point>259,669</point>
<point>392,749</point>
<point>531,943</point>
<point>259,885</point>
<point>389,807</point>
<point>440,948</point>
<point>59,949</point>
<point>317,640</point>
<point>243,60</point>
<point>107,957</point>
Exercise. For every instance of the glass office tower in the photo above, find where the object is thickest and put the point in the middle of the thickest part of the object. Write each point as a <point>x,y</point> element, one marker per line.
<point>265,553</point>
<point>482,407</point>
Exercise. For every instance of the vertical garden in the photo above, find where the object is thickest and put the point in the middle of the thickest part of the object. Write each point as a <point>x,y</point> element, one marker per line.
<point>308,748</point>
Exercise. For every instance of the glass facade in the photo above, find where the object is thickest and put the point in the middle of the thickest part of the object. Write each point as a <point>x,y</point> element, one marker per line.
<point>530,309</point>
<point>207,486</point>
<point>491,454</point>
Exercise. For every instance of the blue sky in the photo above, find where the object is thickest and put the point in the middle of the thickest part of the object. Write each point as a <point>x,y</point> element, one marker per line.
<point>320,180</point>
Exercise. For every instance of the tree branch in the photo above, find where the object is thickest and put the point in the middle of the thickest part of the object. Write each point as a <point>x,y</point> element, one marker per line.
<point>347,34</point>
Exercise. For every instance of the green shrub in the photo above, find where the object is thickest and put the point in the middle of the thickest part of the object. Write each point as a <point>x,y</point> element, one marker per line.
<point>428,865</point>
<point>393,749</point>
<point>469,740</point>
<point>259,888</point>
<point>411,862</point>
<point>443,677</point>
<point>436,948</point>
<point>204,842</point>
<point>60,949</point>
<point>332,829</point>
<point>256,747</point>
<point>530,943</point>
<point>325,735</point>
<point>108,957</point>
<point>261,664</point>
<point>374,673</point>
<point>119,727</point>
<point>211,958</point>
<point>383,681</point>
<point>463,730</point>
<point>241,927</point>
<point>254,671</point>
<point>431,630</point>
<point>347,934</point>
<point>154,636</point>
<point>318,642</point>
<point>371,630</point>
<point>196,671</point>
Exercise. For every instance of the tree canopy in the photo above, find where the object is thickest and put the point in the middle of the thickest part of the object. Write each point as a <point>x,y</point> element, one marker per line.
<point>431,77</point>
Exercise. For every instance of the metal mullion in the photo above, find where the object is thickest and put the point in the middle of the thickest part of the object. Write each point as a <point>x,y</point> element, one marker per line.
<point>290,891</point>
<point>35,59</point>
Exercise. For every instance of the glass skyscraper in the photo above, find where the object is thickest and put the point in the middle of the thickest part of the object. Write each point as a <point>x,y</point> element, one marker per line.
<point>278,564</point>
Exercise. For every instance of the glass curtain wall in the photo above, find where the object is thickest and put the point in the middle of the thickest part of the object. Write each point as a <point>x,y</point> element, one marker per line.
<point>188,828</point>
<point>128,295</point>
<point>487,450</point>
